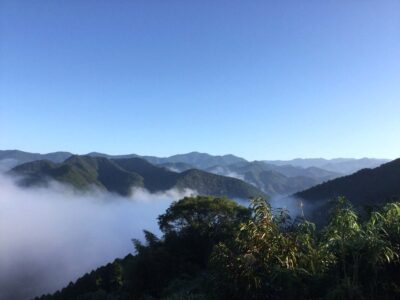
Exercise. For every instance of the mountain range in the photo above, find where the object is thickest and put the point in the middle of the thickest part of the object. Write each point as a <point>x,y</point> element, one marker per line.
<point>122,174</point>
<point>12,158</point>
<point>367,187</point>
<point>344,166</point>
<point>275,180</point>
<point>272,177</point>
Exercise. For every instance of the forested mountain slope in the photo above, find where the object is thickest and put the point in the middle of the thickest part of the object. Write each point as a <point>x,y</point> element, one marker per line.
<point>363,188</point>
<point>121,175</point>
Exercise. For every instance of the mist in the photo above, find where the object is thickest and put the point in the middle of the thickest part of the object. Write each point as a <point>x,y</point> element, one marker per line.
<point>289,203</point>
<point>224,171</point>
<point>7,164</point>
<point>51,236</point>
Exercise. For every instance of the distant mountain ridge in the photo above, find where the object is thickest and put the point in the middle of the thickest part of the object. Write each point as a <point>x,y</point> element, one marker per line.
<point>203,160</point>
<point>176,167</point>
<point>340,165</point>
<point>12,158</point>
<point>272,177</point>
<point>275,180</point>
<point>81,172</point>
<point>123,174</point>
<point>195,159</point>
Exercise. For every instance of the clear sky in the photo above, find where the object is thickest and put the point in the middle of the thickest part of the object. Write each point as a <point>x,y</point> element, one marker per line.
<point>259,79</point>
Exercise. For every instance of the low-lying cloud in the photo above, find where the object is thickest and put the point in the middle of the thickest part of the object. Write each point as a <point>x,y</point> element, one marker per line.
<point>7,164</point>
<point>226,172</point>
<point>288,203</point>
<point>51,236</point>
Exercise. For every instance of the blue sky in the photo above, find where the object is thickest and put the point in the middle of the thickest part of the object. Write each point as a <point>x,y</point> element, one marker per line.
<point>260,79</point>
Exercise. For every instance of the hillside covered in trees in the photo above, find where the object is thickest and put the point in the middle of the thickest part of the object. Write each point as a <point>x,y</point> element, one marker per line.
<point>123,174</point>
<point>367,186</point>
<point>213,248</point>
<point>366,189</point>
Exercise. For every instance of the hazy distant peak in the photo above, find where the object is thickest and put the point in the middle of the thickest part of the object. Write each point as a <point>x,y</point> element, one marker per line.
<point>339,165</point>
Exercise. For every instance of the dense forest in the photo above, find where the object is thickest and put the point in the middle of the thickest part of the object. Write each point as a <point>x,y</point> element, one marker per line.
<point>213,248</point>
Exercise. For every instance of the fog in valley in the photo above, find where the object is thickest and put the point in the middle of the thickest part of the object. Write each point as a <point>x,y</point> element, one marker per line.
<point>51,236</point>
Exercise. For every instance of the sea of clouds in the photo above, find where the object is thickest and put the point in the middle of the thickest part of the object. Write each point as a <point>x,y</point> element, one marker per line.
<point>52,235</point>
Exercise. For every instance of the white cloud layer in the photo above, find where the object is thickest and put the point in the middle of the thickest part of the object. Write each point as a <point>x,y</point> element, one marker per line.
<point>51,236</point>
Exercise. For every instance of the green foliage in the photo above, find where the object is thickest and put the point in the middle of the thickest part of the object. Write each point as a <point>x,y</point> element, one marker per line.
<point>205,214</point>
<point>253,261</point>
<point>346,260</point>
<point>212,248</point>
